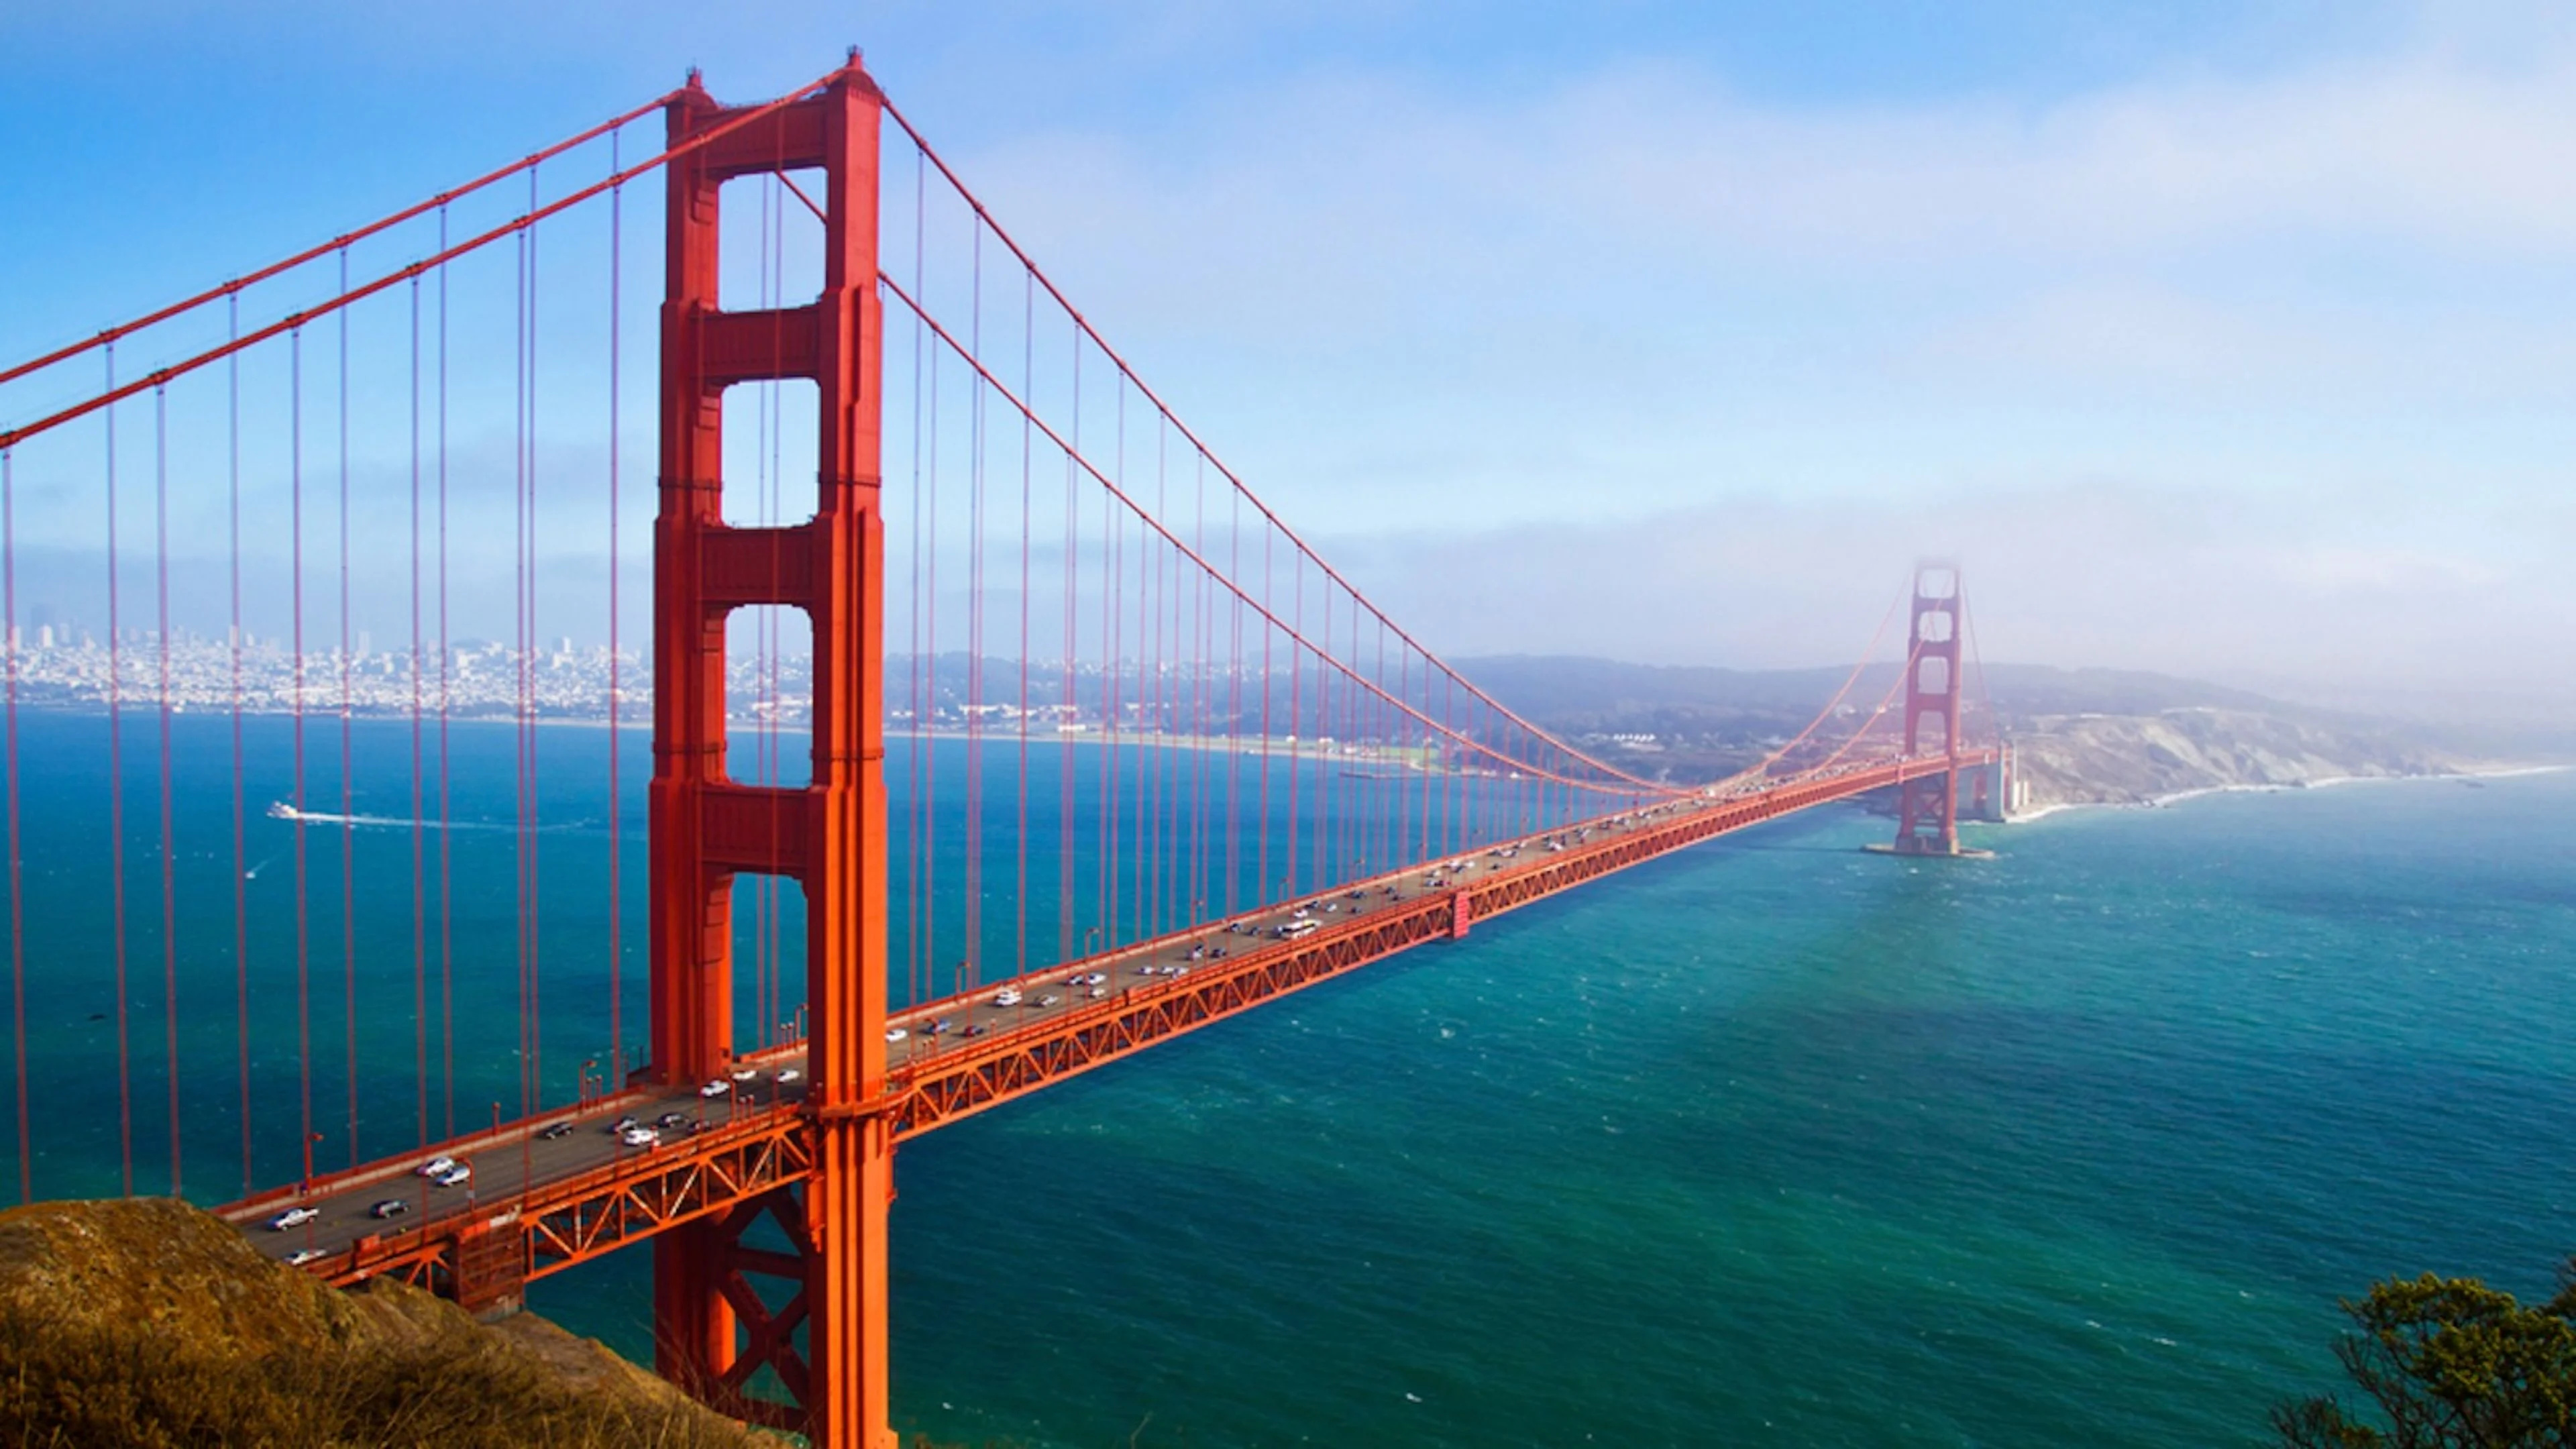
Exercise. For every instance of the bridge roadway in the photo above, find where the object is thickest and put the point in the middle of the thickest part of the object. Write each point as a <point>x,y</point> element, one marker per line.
<point>563,1187</point>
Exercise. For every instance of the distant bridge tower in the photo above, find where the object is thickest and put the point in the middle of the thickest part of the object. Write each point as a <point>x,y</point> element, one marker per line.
<point>713,1331</point>
<point>1927,815</point>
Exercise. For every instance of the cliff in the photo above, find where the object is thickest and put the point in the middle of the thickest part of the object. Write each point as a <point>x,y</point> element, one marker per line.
<point>146,1322</point>
<point>2134,759</point>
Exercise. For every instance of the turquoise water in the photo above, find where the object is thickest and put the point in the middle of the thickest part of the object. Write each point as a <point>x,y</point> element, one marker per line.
<point>1771,1142</point>
<point>1777,1142</point>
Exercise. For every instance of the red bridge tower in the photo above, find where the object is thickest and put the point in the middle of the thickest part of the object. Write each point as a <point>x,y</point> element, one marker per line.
<point>1927,813</point>
<point>715,1332</point>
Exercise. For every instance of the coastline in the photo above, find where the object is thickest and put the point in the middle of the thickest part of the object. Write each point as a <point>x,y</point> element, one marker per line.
<point>2158,802</point>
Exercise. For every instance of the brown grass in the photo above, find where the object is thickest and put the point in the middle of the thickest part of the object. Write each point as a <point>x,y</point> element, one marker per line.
<point>147,1323</point>
<point>75,1387</point>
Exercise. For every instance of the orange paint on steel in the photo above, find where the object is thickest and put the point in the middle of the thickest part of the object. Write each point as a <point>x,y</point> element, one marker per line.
<point>830,836</point>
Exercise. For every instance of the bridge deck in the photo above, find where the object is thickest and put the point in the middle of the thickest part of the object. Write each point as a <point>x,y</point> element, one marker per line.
<point>540,1203</point>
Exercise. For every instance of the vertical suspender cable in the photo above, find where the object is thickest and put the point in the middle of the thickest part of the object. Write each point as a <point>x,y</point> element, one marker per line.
<point>519,647</point>
<point>446,696</point>
<point>17,875</point>
<point>1020,835</point>
<point>926,741</point>
<point>169,855</point>
<point>1200,603</point>
<point>1233,706</point>
<point>616,841</point>
<point>773,642</point>
<point>764,730</point>
<point>1150,796</point>
<point>419,835</point>
<point>303,861</point>
<point>1067,702</point>
<point>348,785</point>
<point>241,869</point>
<point>1113,608</point>
<point>1294,729</point>
<point>116,802</point>
<point>536,803</point>
<point>1261,815</point>
<point>1105,909</point>
<point>972,831</point>
<point>918,744</point>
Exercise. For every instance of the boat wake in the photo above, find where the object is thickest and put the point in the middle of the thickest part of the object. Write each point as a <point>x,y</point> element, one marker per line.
<point>281,810</point>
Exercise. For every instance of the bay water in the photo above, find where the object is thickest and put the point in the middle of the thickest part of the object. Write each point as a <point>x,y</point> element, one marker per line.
<point>1773,1141</point>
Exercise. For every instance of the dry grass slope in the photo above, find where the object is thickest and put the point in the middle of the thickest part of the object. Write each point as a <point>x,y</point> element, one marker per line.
<point>147,1323</point>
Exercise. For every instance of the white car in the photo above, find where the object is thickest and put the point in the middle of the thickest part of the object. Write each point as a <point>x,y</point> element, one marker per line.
<point>302,1256</point>
<point>746,1074</point>
<point>895,1034</point>
<point>789,1074</point>
<point>456,1176</point>
<point>434,1166</point>
<point>716,1088</point>
<point>294,1217</point>
<point>1050,999</point>
<point>639,1136</point>
<point>1007,996</point>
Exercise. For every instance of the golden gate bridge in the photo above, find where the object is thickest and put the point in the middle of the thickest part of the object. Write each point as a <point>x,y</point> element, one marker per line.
<point>1142,761</point>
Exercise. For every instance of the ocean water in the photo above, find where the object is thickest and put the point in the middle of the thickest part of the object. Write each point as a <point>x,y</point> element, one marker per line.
<point>1779,1142</point>
<point>1770,1142</point>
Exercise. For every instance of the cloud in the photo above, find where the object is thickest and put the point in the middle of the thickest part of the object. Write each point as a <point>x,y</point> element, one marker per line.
<point>2327,605</point>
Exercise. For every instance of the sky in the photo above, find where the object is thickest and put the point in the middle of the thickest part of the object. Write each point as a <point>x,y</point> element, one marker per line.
<point>2232,340</point>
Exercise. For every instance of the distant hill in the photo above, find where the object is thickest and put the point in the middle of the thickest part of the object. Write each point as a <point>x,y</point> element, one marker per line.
<point>2087,734</point>
<point>1576,687</point>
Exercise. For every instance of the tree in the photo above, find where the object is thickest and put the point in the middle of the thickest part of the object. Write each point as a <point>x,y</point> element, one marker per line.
<point>2450,1364</point>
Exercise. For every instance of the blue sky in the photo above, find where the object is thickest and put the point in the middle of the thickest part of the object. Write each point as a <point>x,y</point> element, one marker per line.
<point>2228,339</point>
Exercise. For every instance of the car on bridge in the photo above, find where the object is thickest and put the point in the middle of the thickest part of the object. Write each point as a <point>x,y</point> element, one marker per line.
<point>434,1166</point>
<point>392,1207</point>
<point>715,1088</point>
<point>456,1176</point>
<point>294,1217</point>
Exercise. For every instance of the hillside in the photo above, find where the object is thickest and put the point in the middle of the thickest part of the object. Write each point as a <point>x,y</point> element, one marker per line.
<point>2083,735</point>
<point>2133,759</point>
<point>145,1322</point>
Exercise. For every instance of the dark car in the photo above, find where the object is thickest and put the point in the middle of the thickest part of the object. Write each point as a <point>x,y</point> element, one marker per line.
<point>392,1207</point>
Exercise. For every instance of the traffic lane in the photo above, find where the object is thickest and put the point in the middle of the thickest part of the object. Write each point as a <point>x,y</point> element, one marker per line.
<point>975,1015</point>
<point>503,1170</point>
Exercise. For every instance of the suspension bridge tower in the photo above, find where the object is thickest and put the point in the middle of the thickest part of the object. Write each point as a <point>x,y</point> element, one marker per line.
<point>1927,812</point>
<point>715,1331</point>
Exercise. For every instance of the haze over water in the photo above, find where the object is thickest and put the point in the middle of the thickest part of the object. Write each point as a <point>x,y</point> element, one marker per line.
<point>1773,1141</point>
